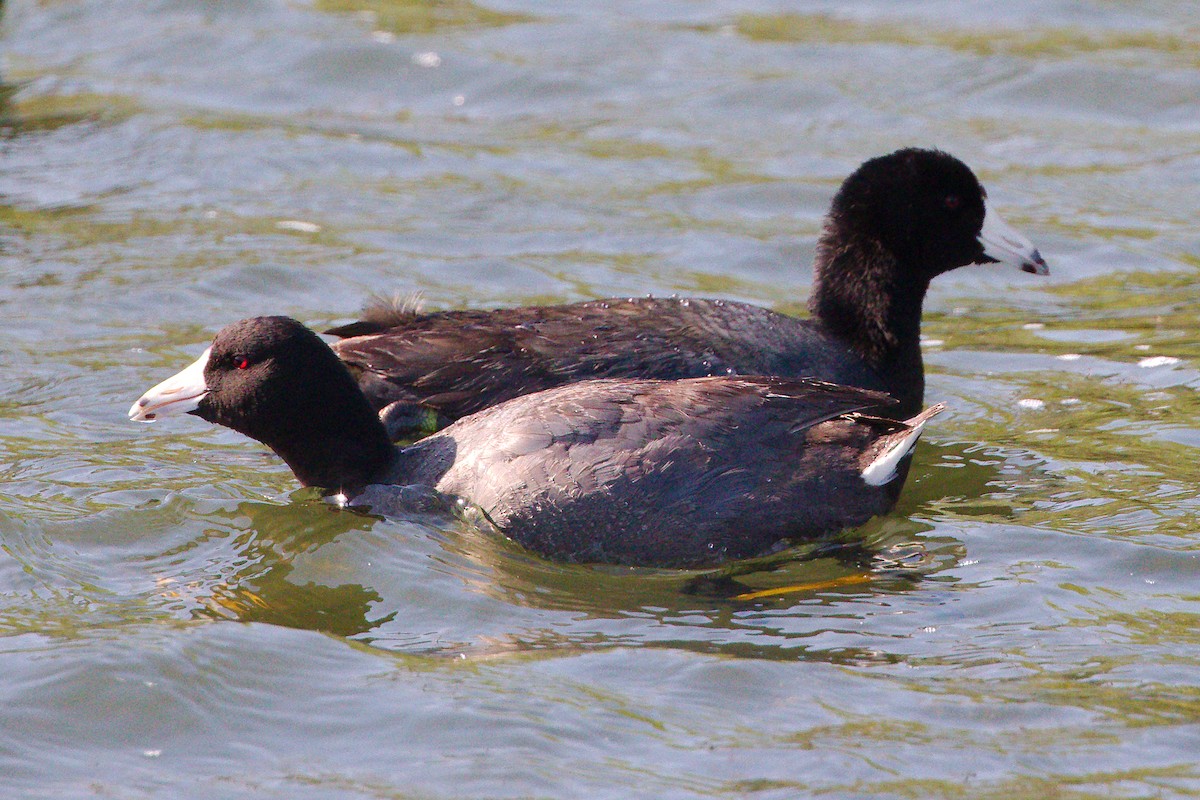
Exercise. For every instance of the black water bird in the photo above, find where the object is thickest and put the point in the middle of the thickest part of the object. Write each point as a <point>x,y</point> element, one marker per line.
<point>683,473</point>
<point>896,223</point>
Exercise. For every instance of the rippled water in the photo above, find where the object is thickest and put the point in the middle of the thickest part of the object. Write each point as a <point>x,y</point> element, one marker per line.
<point>1024,625</point>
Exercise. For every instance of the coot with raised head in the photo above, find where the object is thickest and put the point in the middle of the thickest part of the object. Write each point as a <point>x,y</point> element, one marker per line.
<point>897,222</point>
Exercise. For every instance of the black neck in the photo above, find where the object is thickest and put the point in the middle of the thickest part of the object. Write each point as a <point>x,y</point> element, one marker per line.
<point>345,459</point>
<point>859,297</point>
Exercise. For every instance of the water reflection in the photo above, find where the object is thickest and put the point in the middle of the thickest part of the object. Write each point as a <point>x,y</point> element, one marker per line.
<point>310,565</point>
<point>262,586</point>
<point>444,586</point>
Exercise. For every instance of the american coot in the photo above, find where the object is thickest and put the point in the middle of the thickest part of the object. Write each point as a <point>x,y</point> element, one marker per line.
<point>896,223</point>
<point>643,472</point>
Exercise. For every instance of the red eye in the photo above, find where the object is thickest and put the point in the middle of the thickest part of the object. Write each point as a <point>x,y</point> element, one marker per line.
<point>242,363</point>
<point>952,202</point>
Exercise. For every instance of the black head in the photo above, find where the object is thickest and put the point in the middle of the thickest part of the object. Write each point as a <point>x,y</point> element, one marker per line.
<point>266,372</point>
<point>924,207</point>
<point>928,211</point>
<point>274,380</point>
<point>896,223</point>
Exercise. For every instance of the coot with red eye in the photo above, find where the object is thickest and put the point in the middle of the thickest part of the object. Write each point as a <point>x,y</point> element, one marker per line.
<point>681,473</point>
<point>896,223</point>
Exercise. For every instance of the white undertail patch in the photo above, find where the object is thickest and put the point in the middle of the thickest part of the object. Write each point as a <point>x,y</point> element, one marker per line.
<point>882,469</point>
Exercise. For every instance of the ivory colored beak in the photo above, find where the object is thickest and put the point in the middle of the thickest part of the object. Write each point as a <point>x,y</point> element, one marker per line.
<point>1001,242</point>
<point>178,394</point>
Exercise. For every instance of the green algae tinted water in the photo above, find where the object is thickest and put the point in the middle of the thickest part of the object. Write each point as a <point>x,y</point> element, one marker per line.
<point>176,620</point>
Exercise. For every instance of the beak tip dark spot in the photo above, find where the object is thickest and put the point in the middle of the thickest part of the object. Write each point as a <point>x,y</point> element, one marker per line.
<point>1036,265</point>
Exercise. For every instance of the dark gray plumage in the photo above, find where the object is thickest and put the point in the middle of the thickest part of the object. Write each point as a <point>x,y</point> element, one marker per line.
<point>643,472</point>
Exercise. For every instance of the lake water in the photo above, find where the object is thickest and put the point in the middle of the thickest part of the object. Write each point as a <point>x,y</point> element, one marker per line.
<point>177,621</point>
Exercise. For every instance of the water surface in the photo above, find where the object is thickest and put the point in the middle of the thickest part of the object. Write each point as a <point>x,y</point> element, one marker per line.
<point>176,620</point>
